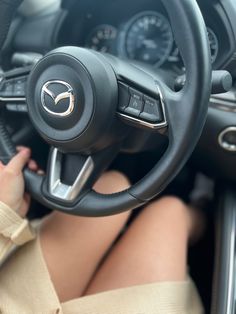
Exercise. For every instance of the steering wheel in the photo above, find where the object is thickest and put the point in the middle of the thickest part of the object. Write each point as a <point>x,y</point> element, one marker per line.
<point>83,103</point>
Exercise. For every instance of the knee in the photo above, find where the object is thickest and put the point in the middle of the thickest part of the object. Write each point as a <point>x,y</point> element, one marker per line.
<point>173,203</point>
<point>170,208</point>
<point>112,182</point>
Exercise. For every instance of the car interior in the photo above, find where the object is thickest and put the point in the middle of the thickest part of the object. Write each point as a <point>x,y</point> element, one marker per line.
<point>155,82</point>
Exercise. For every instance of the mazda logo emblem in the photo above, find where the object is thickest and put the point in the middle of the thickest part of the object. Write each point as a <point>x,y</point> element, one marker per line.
<point>67,95</point>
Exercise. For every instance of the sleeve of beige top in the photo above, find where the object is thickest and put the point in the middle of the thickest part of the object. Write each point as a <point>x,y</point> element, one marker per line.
<point>14,230</point>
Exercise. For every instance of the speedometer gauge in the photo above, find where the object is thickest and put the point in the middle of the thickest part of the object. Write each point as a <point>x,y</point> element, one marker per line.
<point>102,38</point>
<point>148,38</point>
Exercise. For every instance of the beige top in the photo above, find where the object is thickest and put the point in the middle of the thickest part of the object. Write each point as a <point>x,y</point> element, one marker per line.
<point>14,231</point>
<point>26,287</point>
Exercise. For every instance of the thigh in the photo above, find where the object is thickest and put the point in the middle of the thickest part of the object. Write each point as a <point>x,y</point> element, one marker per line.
<point>74,246</point>
<point>154,249</point>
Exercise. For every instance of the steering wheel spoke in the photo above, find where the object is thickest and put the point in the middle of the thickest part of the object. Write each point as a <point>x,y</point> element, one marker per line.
<point>13,89</point>
<point>145,101</point>
<point>70,176</point>
<point>175,108</point>
<point>142,109</point>
<point>68,191</point>
<point>140,100</point>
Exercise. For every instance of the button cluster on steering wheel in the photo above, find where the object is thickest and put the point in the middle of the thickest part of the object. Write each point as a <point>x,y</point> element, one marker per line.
<point>13,88</point>
<point>141,108</point>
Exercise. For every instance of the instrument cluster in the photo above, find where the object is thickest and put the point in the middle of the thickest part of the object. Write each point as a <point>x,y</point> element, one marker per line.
<point>145,37</point>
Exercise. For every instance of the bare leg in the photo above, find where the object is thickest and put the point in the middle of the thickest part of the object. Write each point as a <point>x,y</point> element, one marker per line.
<point>73,247</point>
<point>154,249</point>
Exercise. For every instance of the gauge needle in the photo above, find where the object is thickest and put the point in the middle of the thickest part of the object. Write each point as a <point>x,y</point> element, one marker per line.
<point>150,44</point>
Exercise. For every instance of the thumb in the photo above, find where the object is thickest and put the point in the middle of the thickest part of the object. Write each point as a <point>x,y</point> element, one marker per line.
<point>19,161</point>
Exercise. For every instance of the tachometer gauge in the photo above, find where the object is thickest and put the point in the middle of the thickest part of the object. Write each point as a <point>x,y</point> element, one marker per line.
<point>175,60</point>
<point>214,44</point>
<point>148,38</point>
<point>102,38</point>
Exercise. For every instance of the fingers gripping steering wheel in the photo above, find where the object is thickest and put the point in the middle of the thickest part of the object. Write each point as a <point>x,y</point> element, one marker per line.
<point>81,102</point>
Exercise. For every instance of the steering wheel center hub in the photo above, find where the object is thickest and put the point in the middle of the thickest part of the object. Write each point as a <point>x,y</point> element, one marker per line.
<point>72,96</point>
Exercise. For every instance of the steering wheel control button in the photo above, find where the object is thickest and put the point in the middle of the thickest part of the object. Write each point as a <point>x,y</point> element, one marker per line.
<point>227,139</point>
<point>13,89</point>
<point>136,103</point>
<point>7,89</point>
<point>22,108</point>
<point>12,107</point>
<point>20,86</point>
<point>135,94</point>
<point>123,97</point>
<point>135,107</point>
<point>152,111</point>
<point>19,108</point>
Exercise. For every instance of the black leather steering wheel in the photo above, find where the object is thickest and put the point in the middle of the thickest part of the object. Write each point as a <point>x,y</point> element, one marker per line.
<point>81,103</point>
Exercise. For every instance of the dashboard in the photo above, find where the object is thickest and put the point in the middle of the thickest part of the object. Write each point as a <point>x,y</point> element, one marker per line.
<point>146,37</point>
<point>140,32</point>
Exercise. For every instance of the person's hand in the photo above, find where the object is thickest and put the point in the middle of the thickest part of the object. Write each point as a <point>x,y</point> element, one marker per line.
<point>12,186</point>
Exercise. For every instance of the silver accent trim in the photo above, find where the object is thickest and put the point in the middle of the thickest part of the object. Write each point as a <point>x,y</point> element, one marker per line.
<point>31,8</point>
<point>226,146</point>
<point>223,106</point>
<point>154,126</point>
<point>143,123</point>
<point>57,98</point>
<point>224,103</point>
<point>15,99</point>
<point>231,274</point>
<point>63,191</point>
<point>223,297</point>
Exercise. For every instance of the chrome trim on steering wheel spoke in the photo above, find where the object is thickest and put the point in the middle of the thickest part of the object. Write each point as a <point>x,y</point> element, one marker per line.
<point>144,123</point>
<point>13,99</point>
<point>60,190</point>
